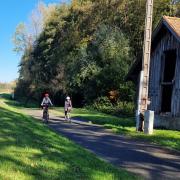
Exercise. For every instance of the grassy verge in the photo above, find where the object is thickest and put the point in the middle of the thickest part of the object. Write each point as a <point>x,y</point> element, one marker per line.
<point>97,117</point>
<point>126,126</point>
<point>30,150</point>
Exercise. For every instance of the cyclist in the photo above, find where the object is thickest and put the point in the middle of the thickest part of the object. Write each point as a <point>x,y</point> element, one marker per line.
<point>67,108</point>
<point>45,104</point>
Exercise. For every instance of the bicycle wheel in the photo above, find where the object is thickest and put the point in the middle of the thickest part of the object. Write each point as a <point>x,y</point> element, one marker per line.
<point>45,116</point>
<point>69,117</point>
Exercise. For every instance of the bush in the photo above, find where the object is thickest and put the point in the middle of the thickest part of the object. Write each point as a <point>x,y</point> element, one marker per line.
<point>126,108</point>
<point>103,104</point>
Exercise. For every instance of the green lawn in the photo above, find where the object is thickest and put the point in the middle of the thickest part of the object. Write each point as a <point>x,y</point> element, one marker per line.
<point>30,150</point>
<point>97,117</point>
<point>126,126</point>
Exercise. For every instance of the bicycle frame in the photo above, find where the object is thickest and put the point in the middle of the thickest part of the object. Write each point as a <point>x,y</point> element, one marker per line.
<point>46,113</point>
<point>68,115</point>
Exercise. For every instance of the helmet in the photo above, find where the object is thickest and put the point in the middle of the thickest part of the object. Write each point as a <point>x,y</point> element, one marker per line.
<point>68,98</point>
<point>46,94</point>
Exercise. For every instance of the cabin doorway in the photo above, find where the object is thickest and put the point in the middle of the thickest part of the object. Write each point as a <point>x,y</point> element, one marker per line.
<point>168,80</point>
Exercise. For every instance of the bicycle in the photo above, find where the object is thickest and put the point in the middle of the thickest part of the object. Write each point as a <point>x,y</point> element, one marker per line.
<point>68,114</point>
<point>45,113</point>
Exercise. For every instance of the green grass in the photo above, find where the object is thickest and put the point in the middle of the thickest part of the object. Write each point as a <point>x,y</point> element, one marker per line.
<point>30,150</point>
<point>98,118</point>
<point>167,138</point>
<point>20,104</point>
<point>126,126</point>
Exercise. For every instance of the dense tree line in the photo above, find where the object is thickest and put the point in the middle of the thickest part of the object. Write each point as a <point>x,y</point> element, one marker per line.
<point>85,49</point>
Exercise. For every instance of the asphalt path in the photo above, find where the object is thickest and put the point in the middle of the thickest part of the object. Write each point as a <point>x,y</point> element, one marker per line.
<point>145,159</point>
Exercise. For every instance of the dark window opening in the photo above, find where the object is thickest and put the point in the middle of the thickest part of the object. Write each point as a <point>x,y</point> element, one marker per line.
<point>166,98</point>
<point>168,76</point>
<point>170,65</point>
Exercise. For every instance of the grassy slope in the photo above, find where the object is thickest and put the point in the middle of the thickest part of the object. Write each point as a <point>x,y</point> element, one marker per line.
<point>126,126</point>
<point>30,150</point>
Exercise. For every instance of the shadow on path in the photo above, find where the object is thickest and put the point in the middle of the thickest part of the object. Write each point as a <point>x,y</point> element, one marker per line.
<point>148,160</point>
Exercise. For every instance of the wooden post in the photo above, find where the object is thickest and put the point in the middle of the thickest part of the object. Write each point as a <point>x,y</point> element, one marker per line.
<point>143,87</point>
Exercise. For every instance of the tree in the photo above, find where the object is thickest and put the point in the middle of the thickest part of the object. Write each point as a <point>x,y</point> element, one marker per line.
<point>21,39</point>
<point>84,48</point>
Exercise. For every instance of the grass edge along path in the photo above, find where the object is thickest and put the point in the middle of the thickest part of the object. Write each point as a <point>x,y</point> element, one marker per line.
<point>30,150</point>
<point>126,126</point>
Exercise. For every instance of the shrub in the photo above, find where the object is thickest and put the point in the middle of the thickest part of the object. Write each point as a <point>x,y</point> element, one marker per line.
<point>103,104</point>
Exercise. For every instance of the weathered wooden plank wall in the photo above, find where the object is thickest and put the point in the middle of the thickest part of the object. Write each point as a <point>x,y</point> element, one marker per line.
<point>176,90</point>
<point>168,42</point>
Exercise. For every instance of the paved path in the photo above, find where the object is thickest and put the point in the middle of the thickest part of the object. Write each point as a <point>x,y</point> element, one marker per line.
<point>150,161</point>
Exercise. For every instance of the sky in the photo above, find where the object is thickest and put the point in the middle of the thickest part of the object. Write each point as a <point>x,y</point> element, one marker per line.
<point>12,12</point>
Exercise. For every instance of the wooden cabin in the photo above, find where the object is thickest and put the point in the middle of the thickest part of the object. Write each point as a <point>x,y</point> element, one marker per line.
<point>164,84</point>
